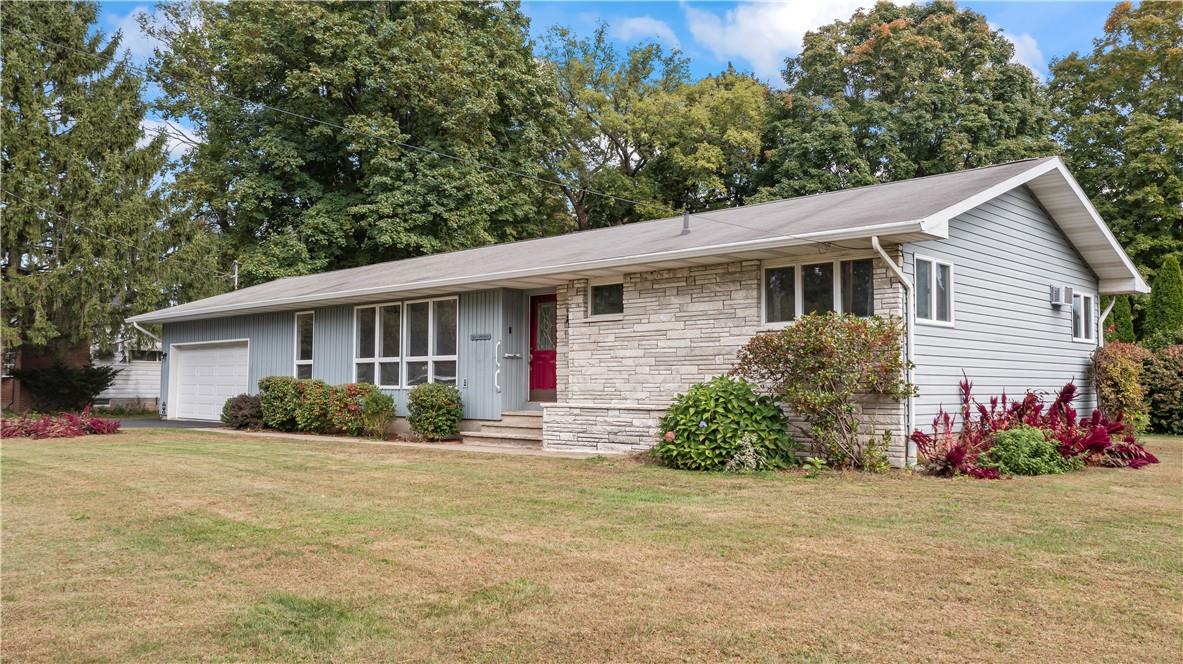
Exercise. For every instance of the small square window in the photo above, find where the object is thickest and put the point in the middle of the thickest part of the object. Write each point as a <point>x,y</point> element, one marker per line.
<point>607,299</point>
<point>934,291</point>
<point>1083,323</point>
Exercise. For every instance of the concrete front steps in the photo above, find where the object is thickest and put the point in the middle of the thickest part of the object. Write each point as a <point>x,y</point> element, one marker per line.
<point>516,428</point>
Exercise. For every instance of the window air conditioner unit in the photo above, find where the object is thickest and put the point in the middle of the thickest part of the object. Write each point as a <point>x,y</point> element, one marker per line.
<point>1061,296</point>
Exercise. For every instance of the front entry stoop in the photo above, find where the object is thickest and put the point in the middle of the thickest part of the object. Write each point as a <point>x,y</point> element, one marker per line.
<point>517,428</point>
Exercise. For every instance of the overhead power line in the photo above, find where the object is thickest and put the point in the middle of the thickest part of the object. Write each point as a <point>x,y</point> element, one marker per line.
<point>697,216</point>
<point>88,229</point>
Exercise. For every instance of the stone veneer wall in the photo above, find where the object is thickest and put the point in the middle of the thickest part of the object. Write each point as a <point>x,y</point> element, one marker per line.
<point>617,375</point>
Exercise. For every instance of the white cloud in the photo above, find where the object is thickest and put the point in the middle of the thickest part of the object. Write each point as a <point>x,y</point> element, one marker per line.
<point>1027,52</point>
<point>638,28</point>
<point>765,34</point>
<point>137,44</point>
<point>179,138</point>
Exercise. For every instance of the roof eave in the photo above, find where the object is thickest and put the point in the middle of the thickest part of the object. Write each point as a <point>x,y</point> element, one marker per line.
<point>885,231</point>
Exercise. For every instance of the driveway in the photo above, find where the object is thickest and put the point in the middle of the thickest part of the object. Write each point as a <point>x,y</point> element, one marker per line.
<point>157,423</point>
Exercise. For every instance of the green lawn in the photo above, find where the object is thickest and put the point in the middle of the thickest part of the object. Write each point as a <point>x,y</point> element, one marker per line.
<point>160,545</point>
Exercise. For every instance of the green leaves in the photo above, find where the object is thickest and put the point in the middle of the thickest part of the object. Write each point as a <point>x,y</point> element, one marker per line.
<point>901,92</point>
<point>1118,115</point>
<point>721,424</point>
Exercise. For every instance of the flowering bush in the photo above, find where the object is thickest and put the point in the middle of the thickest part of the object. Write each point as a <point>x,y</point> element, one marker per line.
<point>291,404</point>
<point>951,451</point>
<point>820,366</point>
<point>723,424</point>
<point>65,425</point>
<point>1117,370</point>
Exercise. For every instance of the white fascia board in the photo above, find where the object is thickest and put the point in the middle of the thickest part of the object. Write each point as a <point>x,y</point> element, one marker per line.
<point>774,242</point>
<point>938,223</point>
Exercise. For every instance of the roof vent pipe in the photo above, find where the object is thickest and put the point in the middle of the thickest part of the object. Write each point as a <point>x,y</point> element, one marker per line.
<point>686,222</point>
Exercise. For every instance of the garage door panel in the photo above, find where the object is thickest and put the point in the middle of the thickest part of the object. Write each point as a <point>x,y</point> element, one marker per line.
<point>207,375</point>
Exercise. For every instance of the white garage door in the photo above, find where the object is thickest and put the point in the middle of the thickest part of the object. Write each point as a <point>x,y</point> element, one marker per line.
<point>206,376</point>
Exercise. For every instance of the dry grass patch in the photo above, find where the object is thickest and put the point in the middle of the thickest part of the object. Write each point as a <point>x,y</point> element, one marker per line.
<point>184,546</point>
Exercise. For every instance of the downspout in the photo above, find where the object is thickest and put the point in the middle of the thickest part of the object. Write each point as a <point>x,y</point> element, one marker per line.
<point>1101,324</point>
<point>909,346</point>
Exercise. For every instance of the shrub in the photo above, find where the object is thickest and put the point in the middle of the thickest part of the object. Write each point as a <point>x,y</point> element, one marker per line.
<point>279,397</point>
<point>345,406</point>
<point>1165,310</point>
<point>377,410</point>
<point>64,425</point>
<point>1163,338</point>
<point>952,451</point>
<point>435,411</point>
<point>1121,321</point>
<point>312,411</point>
<point>1025,450</point>
<point>1117,370</point>
<point>1163,377</point>
<point>724,424</point>
<point>243,412</point>
<point>59,387</point>
<point>821,365</point>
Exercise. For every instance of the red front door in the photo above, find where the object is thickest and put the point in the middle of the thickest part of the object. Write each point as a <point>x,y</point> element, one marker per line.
<point>543,335</point>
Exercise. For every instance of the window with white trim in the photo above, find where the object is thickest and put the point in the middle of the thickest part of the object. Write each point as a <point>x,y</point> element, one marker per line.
<point>305,322</point>
<point>791,291</point>
<point>377,348</point>
<point>430,342</point>
<point>1083,324</point>
<point>934,291</point>
<point>605,299</point>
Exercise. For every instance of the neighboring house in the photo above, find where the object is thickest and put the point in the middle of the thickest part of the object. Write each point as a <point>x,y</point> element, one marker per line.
<point>137,385</point>
<point>998,272</point>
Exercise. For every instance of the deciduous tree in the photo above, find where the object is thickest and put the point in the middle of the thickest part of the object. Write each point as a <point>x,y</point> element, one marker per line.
<point>900,92</point>
<point>1119,116</point>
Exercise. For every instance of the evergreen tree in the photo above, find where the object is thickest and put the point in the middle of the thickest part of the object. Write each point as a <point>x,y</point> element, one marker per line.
<point>1119,116</point>
<point>86,238</point>
<point>897,92</point>
<point>1121,321</point>
<point>1165,311</point>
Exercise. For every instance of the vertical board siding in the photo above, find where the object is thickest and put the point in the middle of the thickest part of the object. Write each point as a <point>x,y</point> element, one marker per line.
<point>332,345</point>
<point>1006,254</point>
<point>515,341</point>
<point>479,316</point>
<point>272,343</point>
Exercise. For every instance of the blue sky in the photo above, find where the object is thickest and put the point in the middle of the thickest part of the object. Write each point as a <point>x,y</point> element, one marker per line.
<point>754,36</point>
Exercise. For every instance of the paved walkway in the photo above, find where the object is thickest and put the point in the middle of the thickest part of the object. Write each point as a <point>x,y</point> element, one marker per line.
<point>439,447</point>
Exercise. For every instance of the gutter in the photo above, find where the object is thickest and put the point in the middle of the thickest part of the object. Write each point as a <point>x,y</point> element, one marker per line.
<point>909,347</point>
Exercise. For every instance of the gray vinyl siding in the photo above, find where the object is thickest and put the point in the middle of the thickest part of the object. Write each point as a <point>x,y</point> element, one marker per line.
<point>1006,254</point>
<point>272,343</point>
<point>272,348</point>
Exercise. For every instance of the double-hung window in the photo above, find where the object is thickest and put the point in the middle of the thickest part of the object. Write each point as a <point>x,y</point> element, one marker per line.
<point>934,291</point>
<point>1083,324</point>
<point>305,321</point>
<point>431,342</point>
<point>377,345</point>
<point>791,291</point>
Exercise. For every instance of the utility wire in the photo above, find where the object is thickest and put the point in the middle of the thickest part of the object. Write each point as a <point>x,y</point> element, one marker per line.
<point>701,216</point>
<point>88,229</point>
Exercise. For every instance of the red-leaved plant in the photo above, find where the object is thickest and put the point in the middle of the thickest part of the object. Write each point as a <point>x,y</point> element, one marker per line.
<point>65,425</point>
<point>951,451</point>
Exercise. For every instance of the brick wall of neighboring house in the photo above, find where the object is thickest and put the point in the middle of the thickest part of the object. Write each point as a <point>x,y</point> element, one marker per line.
<point>616,375</point>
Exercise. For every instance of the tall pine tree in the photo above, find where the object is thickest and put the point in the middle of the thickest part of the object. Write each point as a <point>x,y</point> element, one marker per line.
<point>84,241</point>
<point>1165,311</point>
<point>1121,321</point>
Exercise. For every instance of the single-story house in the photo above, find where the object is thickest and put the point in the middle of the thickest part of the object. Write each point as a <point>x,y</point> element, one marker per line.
<point>997,272</point>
